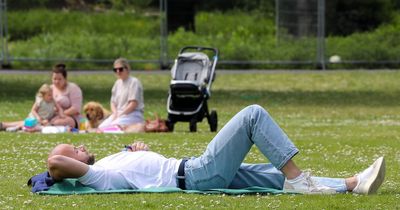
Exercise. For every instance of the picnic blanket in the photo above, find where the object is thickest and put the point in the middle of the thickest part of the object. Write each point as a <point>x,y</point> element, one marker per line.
<point>72,186</point>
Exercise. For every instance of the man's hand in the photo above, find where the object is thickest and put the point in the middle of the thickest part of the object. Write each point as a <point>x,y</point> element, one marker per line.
<point>138,146</point>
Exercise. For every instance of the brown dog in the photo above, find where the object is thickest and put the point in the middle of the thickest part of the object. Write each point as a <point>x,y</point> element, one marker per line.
<point>95,114</point>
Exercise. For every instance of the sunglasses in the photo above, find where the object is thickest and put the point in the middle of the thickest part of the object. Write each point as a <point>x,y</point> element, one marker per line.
<point>120,69</point>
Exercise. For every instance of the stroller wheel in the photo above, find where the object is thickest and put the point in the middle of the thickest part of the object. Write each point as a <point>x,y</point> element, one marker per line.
<point>170,125</point>
<point>193,125</point>
<point>213,121</point>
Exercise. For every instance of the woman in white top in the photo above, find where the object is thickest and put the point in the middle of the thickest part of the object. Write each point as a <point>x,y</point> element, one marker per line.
<point>126,100</point>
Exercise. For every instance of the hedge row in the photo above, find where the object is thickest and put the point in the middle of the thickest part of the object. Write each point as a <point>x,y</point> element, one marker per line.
<point>61,35</point>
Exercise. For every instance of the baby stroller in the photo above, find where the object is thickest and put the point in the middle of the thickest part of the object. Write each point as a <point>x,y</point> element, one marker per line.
<point>192,75</point>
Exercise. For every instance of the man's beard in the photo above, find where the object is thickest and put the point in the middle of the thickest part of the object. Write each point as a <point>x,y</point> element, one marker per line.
<point>91,159</point>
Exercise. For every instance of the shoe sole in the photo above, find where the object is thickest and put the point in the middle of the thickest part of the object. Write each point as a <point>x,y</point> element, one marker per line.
<point>327,192</point>
<point>372,185</point>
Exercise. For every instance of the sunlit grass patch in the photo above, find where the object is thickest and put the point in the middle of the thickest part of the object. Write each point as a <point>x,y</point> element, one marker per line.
<point>341,122</point>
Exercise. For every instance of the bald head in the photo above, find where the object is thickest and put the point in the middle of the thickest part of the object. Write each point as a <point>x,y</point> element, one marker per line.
<point>78,153</point>
<point>61,149</point>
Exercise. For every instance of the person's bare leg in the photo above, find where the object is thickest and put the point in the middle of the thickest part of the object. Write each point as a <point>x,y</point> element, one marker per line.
<point>290,170</point>
<point>13,124</point>
<point>66,121</point>
<point>351,183</point>
<point>135,128</point>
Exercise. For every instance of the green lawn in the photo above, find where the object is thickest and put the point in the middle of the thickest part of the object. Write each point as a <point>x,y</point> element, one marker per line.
<point>341,121</point>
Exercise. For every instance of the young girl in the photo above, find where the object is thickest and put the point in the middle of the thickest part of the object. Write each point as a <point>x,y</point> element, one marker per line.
<point>43,110</point>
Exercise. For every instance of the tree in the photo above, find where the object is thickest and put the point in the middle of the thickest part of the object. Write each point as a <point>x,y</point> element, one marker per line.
<point>344,17</point>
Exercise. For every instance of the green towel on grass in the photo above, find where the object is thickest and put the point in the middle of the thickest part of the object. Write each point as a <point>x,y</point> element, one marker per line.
<point>72,186</point>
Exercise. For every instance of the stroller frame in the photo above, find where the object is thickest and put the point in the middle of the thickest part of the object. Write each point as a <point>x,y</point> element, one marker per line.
<point>190,88</point>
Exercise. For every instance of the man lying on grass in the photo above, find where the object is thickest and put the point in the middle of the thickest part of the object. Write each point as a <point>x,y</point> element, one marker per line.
<point>220,166</point>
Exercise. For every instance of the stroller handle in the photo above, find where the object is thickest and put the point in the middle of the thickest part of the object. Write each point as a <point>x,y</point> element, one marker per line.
<point>199,49</point>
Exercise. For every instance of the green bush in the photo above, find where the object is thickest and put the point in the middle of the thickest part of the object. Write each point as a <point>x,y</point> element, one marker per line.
<point>24,25</point>
<point>71,35</point>
<point>382,44</point>
<point>344,17</point>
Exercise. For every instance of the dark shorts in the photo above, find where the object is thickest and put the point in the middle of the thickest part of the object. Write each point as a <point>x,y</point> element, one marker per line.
<point>76,123</point>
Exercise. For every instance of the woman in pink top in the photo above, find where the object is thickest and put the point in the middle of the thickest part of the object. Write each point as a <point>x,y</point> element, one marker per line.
<point>68,95</point>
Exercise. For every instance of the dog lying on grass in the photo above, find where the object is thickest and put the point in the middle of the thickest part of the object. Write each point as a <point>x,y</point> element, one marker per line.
<point>95,114</point>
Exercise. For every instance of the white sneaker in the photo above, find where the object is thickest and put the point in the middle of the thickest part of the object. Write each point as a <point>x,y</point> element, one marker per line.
<point>12,129</point>
<point>371,178</point>
<point>306,185</point>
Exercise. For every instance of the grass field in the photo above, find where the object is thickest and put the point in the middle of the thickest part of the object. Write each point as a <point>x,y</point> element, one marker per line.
<point>341,121</point>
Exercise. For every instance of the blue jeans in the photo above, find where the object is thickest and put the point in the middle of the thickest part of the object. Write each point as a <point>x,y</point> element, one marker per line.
<point>220,166</point>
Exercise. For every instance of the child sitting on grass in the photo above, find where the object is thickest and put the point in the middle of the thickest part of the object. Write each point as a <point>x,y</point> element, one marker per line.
<point>43,110</point>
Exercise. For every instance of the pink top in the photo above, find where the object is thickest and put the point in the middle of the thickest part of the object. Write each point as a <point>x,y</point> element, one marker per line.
<point>70,97</point>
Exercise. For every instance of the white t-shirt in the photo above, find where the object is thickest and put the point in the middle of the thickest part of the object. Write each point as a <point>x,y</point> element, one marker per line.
<point>46,110</point>
<point>127,90</point>
<point>132,170</point>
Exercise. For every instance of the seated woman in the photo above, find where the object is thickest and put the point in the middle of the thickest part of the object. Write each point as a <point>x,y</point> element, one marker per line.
<point>126,103</point>
<point>68,95</point>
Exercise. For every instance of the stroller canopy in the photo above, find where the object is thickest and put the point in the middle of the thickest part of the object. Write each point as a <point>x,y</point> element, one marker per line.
<point>192,66</point>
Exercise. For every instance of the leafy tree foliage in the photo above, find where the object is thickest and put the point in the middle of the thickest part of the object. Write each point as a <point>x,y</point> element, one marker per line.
<point>344,17</point>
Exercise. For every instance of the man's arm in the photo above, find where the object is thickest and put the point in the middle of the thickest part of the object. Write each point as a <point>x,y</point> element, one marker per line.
<point>61,167</point>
